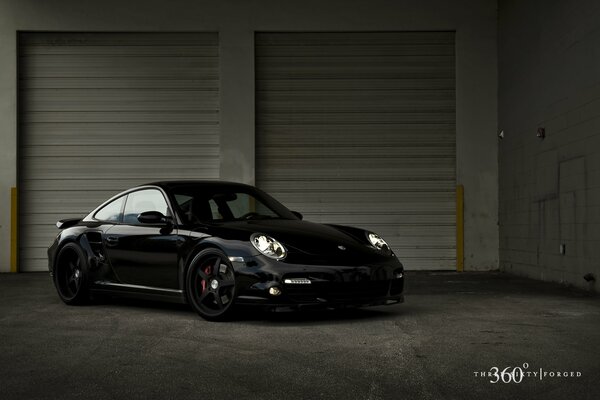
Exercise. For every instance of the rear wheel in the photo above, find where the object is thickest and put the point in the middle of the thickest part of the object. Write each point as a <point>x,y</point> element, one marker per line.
<point>70,275</point>
<point>210,285</point>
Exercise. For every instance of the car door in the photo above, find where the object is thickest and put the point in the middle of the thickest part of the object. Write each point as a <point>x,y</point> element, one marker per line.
<point>143,254</point>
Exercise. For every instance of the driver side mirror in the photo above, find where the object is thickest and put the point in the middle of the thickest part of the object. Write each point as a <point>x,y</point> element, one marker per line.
<point>153,218</point>
<point>297,214</point>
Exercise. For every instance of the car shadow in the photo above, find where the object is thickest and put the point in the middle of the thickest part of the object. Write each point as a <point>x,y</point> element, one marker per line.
<point>131,302</point>
<point>314,316</point>
<point>257,315</point>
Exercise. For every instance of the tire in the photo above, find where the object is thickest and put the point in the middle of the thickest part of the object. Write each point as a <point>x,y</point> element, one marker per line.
<point>210,285</point>
<point>71,275</point>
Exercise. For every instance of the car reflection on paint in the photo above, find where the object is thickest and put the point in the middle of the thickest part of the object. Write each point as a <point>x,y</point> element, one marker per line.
<point>215,245</point>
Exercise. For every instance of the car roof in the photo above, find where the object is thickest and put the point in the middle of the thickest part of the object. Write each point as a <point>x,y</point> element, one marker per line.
<point>179,183</point>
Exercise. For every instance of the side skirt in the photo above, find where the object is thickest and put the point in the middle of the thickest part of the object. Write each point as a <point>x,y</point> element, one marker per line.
<point>138,292</point>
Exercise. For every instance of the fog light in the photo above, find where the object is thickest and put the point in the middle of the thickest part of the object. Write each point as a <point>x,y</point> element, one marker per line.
<point>399,275</point>
<point>274,291</point>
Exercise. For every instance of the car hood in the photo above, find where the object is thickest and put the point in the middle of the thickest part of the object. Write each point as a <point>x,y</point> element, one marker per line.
<point>303,238</point>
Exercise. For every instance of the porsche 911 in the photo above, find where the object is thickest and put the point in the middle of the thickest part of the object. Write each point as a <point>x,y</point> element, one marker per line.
<point>216,245</point>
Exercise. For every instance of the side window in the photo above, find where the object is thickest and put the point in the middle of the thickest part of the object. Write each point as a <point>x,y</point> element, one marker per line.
<point>112,211</point>
<point>141,201</point>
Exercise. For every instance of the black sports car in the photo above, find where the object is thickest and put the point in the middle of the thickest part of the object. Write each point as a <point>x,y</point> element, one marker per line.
<point>216,244</point>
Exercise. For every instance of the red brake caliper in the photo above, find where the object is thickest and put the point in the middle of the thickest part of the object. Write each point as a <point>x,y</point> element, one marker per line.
<point>203,282</point>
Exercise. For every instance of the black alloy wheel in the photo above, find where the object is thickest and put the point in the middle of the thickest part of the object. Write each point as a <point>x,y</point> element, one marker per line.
<point>210,285</point>
<point>70,275</point>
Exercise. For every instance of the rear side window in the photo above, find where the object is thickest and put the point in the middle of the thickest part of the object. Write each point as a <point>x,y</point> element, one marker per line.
<point>112,211</point>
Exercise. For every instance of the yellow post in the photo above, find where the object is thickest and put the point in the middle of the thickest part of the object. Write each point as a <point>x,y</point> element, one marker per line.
<point>13,229</point>
<point>460,228</point>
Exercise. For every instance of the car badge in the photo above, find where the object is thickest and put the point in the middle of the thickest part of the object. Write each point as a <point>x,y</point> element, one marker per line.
<point>342,247</point>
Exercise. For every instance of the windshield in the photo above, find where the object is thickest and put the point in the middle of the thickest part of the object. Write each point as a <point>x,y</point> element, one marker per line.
<point>222,204</point>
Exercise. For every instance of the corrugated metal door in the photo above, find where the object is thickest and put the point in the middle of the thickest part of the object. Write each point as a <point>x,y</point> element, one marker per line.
<point>359,129</point>
<point>99,113</point>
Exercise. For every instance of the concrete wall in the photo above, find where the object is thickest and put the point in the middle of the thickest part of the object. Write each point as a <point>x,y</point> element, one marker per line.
<point>549,76</point>
<point>236,21</point>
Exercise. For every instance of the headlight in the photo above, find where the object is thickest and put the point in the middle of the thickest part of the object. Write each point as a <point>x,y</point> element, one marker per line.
<point>268,246</point>
<point>377,242</point>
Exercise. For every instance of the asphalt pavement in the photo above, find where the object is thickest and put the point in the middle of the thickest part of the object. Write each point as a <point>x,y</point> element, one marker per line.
<point>455,336</point>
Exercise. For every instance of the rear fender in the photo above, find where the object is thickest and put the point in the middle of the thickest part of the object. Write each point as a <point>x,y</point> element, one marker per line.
<point>79,237</point>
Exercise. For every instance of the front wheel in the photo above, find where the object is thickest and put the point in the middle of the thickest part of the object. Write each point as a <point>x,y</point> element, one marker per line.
<point>210,285</point>
<point>70,275</point>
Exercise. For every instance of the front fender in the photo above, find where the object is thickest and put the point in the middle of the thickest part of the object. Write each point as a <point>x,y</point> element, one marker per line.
<point>199,242</point>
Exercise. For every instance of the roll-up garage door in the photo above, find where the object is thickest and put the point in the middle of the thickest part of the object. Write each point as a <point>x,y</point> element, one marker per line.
<point>100,112</point>
<point>359,129</point>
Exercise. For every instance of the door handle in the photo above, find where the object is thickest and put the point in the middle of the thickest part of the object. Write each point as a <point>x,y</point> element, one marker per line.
<point>112,240</point>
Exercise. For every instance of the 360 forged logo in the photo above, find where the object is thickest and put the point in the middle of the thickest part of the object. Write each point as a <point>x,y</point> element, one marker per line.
<point>516,374</point>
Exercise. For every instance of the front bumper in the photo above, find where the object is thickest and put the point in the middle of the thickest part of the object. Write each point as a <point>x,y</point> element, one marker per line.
<point>299,285</point>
